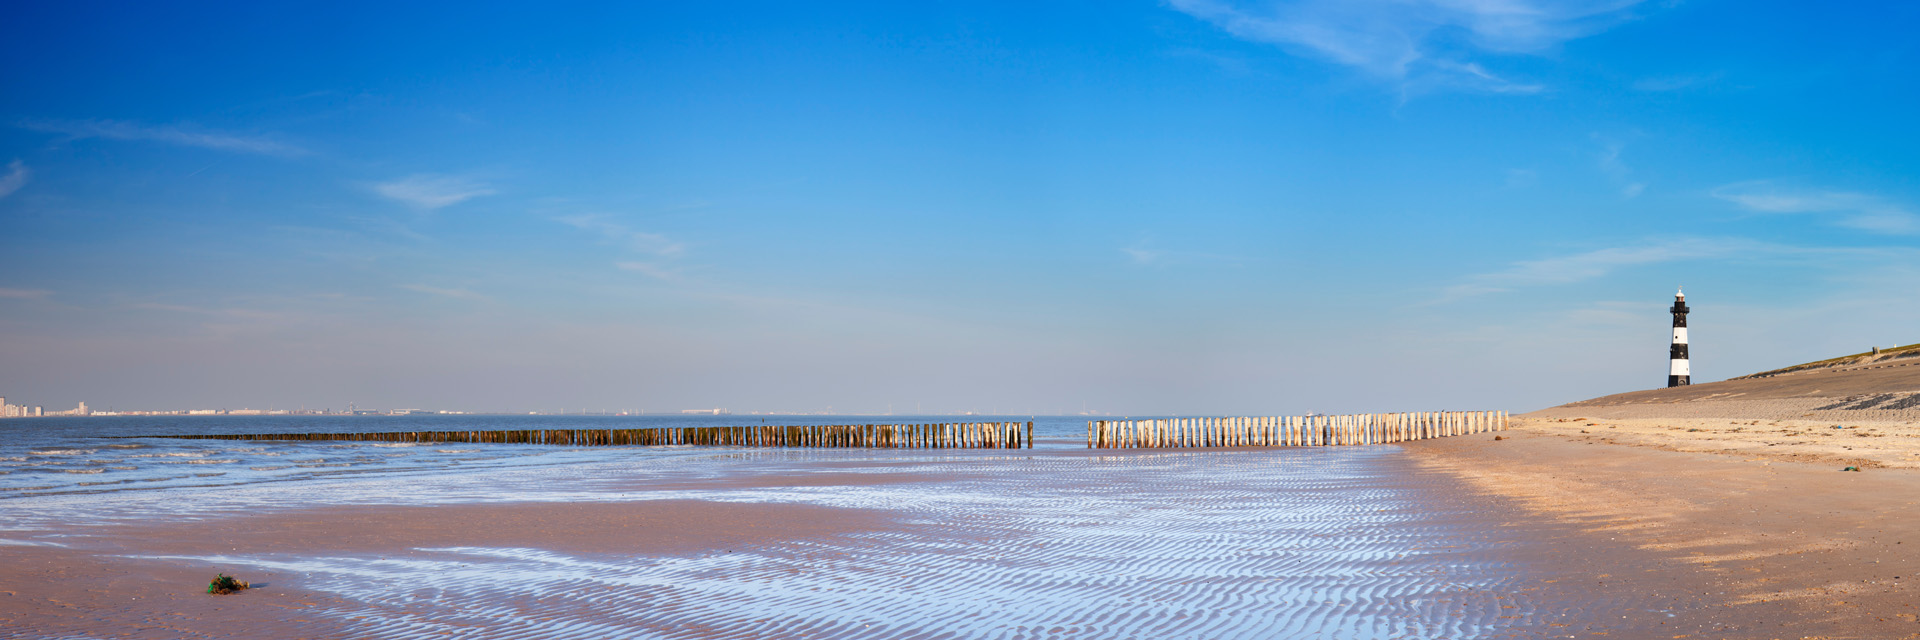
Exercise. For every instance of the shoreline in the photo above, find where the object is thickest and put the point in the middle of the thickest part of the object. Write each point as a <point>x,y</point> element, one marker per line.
<point>1587,537</point>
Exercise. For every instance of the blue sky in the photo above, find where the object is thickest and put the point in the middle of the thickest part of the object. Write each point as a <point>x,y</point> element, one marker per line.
<point>1194,206</point>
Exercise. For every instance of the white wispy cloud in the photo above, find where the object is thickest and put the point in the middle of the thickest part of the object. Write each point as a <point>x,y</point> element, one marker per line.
<point>1418,43</point>
<point>388,226</point>
<point>1615,168</point>
<point>461,294</point>
<point>1594,264</point>
<point>433,191</point>
<point>649,269</point>
<point>17,174</point>
<point>24,293</point>
<point>658,251</point>
<point>179,134</point>
<point>1850,209</point>
<point>1676,83</point>
<point>1521,178</point>
<point>1143,256</point>
<point>220,312</point>
<point>640,241</point>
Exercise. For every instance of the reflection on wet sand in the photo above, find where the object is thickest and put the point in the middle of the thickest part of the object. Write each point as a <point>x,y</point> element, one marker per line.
<point>1339,543</point>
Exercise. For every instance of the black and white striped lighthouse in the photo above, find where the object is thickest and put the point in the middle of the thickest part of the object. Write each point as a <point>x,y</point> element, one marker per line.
<point>1677,371</point>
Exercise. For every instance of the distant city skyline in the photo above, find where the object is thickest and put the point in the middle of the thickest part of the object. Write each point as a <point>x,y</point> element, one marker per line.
<point>17,411</point>
<point>8,410</point>
<point>1196,207</point>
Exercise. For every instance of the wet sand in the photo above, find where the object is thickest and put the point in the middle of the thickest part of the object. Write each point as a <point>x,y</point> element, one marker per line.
<point>147,580</point>
<point>1370,542</point>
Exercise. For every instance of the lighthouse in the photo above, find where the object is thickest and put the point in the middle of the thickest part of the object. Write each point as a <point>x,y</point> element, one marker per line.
<point>1677,370</point>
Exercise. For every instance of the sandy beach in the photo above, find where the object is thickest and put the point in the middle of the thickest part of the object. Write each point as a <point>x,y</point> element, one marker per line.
<point>1741,483</point>
<point>1716,511</point>
<point>1353,542</point>
<point>1783,549</point>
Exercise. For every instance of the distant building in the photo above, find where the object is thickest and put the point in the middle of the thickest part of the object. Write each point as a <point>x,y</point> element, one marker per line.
<point>23,411</point>
<point>706,412</point>
<point>82,410</point>
<point>17,410</point>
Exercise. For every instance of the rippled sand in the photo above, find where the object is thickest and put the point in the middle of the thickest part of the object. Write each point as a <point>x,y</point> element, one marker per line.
<point>1307,543</point>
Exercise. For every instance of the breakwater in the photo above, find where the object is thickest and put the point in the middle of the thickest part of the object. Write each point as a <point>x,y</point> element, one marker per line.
<point>1289,431</point>
<point>944,435</point>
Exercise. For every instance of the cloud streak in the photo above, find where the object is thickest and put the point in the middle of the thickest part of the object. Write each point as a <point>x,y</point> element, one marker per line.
<point>649,269</point>
<point>24,294</point>
<point>17,174</point>
<point>239,313</point>
<point>433,191</point>
<point>1664,84</point>
<point>459,294</point>
<point>1143,256</point>
<point>1849,209</point>
<point>659,249</point>
<point>641,241</point>
<point>1615,168</point>
<point>183,135</point>
<point>1416,43</point>
<point>1591,265</point>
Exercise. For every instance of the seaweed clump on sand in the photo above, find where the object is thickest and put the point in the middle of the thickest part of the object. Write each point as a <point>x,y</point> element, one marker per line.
<point>224,584</point>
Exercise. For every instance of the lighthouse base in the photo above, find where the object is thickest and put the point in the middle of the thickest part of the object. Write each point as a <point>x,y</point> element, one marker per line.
<point>1677,381</point>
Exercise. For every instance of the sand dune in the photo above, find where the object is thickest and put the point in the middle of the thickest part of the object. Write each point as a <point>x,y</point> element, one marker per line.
<point>1864,414</point>
<point>1879,390</point>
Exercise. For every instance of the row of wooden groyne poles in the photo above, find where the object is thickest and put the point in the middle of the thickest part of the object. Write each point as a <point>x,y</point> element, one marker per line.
<point>947,435</point>
<point>1290,431</point>
<point>1274,431</point>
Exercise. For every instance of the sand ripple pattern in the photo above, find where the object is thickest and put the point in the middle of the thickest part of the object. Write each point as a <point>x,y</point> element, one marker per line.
<point>1268,544</point>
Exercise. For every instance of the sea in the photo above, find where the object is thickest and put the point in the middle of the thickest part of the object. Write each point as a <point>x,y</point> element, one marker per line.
<point>44,457</point>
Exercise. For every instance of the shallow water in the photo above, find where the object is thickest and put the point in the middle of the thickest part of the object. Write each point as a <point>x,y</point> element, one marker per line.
<point>51,456</point>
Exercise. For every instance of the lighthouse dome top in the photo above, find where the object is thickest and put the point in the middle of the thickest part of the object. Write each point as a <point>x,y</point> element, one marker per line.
<point>1681,293</point>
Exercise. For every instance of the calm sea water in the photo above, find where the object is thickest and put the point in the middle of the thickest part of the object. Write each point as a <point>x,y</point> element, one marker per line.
<point>62,456</point>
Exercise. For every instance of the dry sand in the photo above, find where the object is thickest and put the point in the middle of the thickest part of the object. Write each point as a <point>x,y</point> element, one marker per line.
<point>1866,416</point>
<point>1741,482</point>
<point>1786,549</point>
